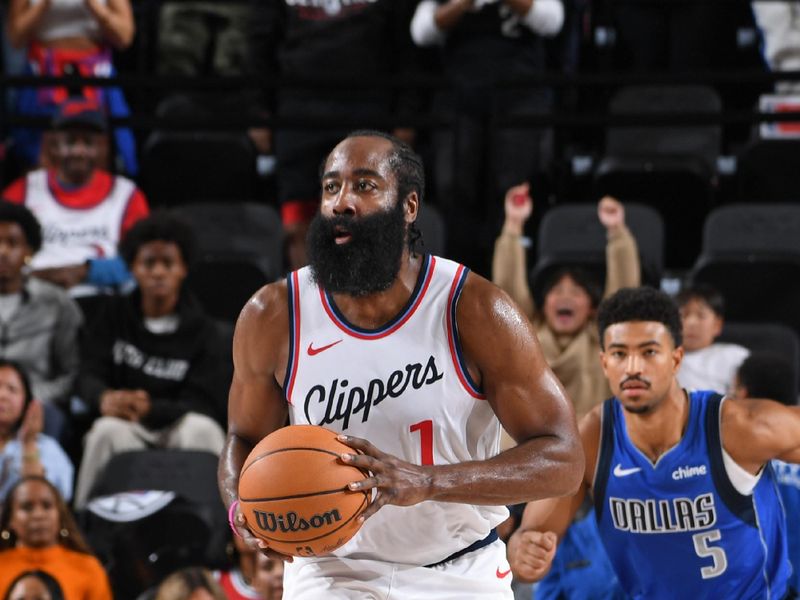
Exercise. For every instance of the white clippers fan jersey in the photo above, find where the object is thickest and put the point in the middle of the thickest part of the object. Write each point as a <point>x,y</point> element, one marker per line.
<point>74,235</point>
<point>404,388</point>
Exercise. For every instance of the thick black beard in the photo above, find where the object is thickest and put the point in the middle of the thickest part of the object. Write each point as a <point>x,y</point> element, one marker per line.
<point>368,263</point>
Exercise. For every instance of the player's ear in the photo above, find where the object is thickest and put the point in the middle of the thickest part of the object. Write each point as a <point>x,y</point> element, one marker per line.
<point>677,358</point>
<point>411,207</point>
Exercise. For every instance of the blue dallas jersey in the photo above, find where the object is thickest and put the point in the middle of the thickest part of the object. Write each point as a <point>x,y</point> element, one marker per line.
<point>678,528</point>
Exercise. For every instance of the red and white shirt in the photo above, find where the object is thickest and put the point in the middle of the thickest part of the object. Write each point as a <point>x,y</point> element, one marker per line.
<point>81,223</point>
<point>405,388</point>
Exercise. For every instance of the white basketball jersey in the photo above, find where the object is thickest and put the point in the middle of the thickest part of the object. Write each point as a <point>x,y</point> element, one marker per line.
<point>74,235</point>
<point>404,388</point>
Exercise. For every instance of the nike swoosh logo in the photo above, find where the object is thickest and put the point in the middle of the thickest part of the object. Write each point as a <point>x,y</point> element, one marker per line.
<point>502,574</point>
<point>312,351</point>
<point>620,472</point>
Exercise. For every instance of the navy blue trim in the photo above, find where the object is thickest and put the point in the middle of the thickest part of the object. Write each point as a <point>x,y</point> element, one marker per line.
<point>456,340</point>
<point>290,362</point>
<point>471,548</point>
<point>421,277</point>
<point>604,460</point>
<point>739,505</point>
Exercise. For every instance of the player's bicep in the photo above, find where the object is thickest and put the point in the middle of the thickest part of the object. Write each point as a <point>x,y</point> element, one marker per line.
<point>525,394</point>
<point>256,405</point>
<point>760,430</point>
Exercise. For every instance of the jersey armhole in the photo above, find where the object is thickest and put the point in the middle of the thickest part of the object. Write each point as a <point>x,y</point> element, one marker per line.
<point>606,451</point>
<point>453,341</point>
<point>293,297</point>
<point>740,505</point>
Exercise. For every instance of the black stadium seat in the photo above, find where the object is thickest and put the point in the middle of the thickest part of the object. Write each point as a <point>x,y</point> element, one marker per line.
<point>751,254</point>
<point>571,234</point>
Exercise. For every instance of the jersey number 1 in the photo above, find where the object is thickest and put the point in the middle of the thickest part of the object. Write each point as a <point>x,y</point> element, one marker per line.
<point>716,553</point>
<point>425,429</point>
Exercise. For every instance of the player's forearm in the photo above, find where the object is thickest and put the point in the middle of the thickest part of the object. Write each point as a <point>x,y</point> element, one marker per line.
<point>543,467</point>
<point>234,453</point>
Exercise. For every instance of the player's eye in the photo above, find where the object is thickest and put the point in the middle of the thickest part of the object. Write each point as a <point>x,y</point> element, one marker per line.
<point>363,185</point>
<point>330,187</point>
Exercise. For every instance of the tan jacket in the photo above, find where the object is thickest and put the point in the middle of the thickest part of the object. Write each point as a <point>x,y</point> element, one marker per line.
<point>574,359</point>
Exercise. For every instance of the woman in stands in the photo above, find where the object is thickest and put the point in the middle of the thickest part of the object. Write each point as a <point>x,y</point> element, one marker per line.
<point>71,37</point>
<point>24,449</point>
<point>37,531</point>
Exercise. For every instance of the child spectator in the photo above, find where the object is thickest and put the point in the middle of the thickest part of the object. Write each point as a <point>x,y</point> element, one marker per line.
<point>565,322</point>
<point>706,364</point>
<point>152,359</point>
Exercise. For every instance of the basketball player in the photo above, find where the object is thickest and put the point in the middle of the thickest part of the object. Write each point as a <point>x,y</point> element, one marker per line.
<point>417,362</point>
<point>683,491</point>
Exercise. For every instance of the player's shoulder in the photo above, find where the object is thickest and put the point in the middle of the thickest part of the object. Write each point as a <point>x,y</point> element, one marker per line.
<point>269,306</point>
<point>590,427</point>
<point>482,298</point>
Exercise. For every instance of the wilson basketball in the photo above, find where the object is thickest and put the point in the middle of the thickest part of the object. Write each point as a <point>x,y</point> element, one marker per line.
<point>293,491</point>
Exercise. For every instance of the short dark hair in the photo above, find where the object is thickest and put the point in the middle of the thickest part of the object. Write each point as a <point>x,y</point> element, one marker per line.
<point>704,293</point>
<point>50,582</point>
<point>769,375</point>
<point>160,226</point>
<point>580,276</point>
<point>408,169</point>
<point>22,216</point>
<point>640,304</point>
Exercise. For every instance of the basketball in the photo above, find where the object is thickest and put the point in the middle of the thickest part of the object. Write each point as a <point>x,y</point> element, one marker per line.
<point>293,491</point>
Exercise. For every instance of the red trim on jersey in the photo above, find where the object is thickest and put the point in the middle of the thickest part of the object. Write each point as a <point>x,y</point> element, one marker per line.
<point>136,209</point>
<point>87,196</point>
<point>381,334</point>
<point>15,193</point>
<point>451,338</point>
<point>295,333</point>
<point>298,211</point>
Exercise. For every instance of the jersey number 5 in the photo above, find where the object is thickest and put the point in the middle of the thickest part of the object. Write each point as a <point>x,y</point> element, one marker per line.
<point>716,553</point>
<point>425,429</point>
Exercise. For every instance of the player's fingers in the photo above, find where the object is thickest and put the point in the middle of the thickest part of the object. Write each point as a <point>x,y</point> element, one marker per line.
<point>548,540</point>
<point>378,501</point>
<point>264,548</point>
<point>362,461</point>
<point>363,484</point>
<point>360,444</point>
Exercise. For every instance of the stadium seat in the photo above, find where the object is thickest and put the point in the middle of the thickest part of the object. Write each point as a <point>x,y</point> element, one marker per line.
<point>767,171</point>
<point>224,284</point>
<point>773,338</point>
<point>141,539</point>
<point>669,167</point>
<point>571,234</point>
<point>189,166</point>
<point>751,254</point>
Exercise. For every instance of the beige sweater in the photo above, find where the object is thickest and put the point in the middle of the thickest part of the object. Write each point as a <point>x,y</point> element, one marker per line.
<point>574,359</point>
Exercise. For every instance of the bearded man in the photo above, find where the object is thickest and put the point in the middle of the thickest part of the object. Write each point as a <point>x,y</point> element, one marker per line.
<point>417,363</point>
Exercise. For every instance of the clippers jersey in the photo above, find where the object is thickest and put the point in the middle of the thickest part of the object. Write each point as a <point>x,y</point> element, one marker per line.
<point>404,388</point>
<point>679,528</point>
<point>72,236</point>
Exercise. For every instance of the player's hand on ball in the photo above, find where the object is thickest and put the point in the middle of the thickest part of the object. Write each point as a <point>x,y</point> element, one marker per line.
<point>396,481</point>
<point>530,554</point>
<point>256,543</point>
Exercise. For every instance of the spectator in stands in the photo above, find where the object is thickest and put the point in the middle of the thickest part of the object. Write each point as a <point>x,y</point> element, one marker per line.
<point>780,28</point>
<point>24,449</point>
<point>565,322</point>
<point>84,210</point>
<point>767,375</point>
<point>706,364</point>
<point>192,583</point>
<point>268,578</point>
<point>152,359</point>
<point>37,531</point>
<point>67,37</point>
<point>34,585</point>
<point>39,321</point>
<point>238,582</point>
<point>361,43</point>
<point>485,42</point>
